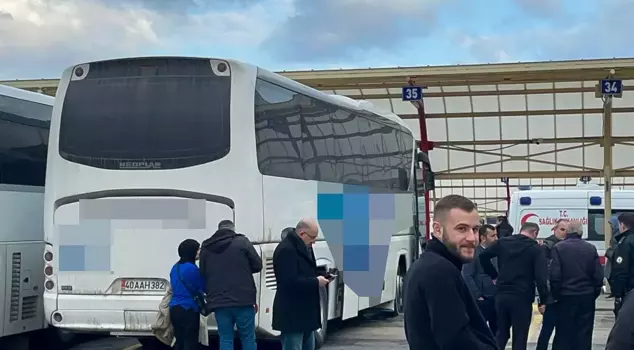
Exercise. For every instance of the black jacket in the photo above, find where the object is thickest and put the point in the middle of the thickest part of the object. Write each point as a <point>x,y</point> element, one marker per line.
<point>440,312</point>
<point>622,262</point>
<point>622,334</point>
<point>521,265</point>
<point>549,244</point>
<point>296,307</point>
<point>227,264</point>
<point>504,229</point>
<point>480,284</point>
<point>575,268</point>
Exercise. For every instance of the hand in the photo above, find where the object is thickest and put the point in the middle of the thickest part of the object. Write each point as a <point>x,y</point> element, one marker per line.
<point>480,298</point>
<point>322,281</point>
<point>542,309</point>
<point>495,281</point>
<point>255,307</point>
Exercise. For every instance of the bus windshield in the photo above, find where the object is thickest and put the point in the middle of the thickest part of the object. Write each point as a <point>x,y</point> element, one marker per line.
<point>158,113</point>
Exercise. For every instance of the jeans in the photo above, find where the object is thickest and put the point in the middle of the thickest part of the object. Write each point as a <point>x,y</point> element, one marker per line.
<point>298,341</point>
<point>241,317</point>
<point>186,323</point>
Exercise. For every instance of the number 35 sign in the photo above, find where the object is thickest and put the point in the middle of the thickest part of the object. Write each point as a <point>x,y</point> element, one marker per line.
<point>412,93</point>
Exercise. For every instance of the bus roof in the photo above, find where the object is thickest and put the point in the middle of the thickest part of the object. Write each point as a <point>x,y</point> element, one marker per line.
<point>338,100</point>
<point>26,95</point>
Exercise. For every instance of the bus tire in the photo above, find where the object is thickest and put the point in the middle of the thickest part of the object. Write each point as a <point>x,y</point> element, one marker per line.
<point>399,291</point>
<point>320,334</point>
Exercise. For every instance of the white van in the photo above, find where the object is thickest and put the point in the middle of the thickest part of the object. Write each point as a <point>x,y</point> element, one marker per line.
<point>583,203</point>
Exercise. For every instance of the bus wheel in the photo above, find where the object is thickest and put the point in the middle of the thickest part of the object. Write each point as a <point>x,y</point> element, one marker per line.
<point>320,334</point>
<point>398,295</point>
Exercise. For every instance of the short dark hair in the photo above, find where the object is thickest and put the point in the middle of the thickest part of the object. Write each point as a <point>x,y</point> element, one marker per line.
<point>452,201</point>
<point>529,227</point>
<point>484,229</point>
<point>226,224</point>
<point>627,219</point>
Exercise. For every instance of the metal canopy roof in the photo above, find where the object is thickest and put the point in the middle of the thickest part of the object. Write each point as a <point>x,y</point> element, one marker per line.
<point>536,123</point>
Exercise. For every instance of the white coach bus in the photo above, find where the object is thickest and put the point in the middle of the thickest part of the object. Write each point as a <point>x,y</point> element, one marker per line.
<point>146,152</point>
<point>24,126</point>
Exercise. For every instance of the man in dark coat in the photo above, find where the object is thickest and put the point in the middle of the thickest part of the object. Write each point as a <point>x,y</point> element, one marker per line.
<point>576,278</point>
<point>622,261</point>
<point>227,264</point>
<point>480,284</point>
<point>522,265</point>
<point>296,308</point>
<point>440,312</point>
<point>503,227</point>
<point>620,337</point>
<point>550,315</point>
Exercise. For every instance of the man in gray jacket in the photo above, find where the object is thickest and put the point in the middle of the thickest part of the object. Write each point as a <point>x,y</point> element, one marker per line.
<point>479,283</point>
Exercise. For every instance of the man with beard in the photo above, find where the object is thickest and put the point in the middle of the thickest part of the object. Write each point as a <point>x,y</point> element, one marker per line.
<point>522,264</point>
<point>440,312</point>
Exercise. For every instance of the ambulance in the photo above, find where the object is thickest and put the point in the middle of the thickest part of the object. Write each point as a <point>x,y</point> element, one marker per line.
<point>584,204</point>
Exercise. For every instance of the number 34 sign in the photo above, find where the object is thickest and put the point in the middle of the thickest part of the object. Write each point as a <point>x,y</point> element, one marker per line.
<point>611,87</point>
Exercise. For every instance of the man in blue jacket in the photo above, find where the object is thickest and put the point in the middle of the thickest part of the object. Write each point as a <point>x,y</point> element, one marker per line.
<point>479,283</point>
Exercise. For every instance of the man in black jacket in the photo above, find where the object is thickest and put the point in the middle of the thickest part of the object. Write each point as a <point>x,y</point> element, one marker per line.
<point>296,307</point>
<point>227,264</point>
<point>622,261</point>
<point>480,284</point>
<point>440,312</point>
<point>550,315</point>
<point>522,264</point>
<point>620,337</point>
<point>503,228</point>
<point>576,278</point>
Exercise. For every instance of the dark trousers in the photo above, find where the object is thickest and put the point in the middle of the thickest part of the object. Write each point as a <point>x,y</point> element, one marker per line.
<point>513,312</point>
<point>487,308</point>
<point>575,322</point>
<point>186,323</point>
<point>548,326</point>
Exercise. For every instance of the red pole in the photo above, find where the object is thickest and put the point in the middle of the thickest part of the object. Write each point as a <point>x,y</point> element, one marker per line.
<point>424,147</point>
<point>508,197</point>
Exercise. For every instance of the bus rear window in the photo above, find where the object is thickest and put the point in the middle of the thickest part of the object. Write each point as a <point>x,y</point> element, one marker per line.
<point>163,113</point>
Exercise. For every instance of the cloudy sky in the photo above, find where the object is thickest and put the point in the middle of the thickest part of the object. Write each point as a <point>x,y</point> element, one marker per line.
<point>39,38</point>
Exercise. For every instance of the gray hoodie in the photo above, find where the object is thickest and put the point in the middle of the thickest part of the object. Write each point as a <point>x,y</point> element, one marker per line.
<point>614,223</point>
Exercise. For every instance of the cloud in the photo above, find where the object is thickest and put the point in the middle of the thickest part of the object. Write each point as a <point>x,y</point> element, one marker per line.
<point>604,33</point>
<point>46,36</point>
<point>324,30</point>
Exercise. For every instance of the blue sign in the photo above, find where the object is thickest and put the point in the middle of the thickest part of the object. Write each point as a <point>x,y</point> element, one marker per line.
<point>611,86</point>
<point>412,93</point>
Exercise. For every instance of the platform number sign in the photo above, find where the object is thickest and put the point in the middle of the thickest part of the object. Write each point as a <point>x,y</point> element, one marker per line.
<point>611,86</point>
<point>412,93</point>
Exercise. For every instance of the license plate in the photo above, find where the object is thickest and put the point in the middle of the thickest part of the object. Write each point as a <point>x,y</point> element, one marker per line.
<point>143,285</point>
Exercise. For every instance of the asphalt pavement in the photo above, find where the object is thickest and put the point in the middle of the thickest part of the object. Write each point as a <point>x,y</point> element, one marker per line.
<point>375,331</point>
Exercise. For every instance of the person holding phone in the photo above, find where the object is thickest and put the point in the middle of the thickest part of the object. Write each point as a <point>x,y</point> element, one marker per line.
<point>296,308</point>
